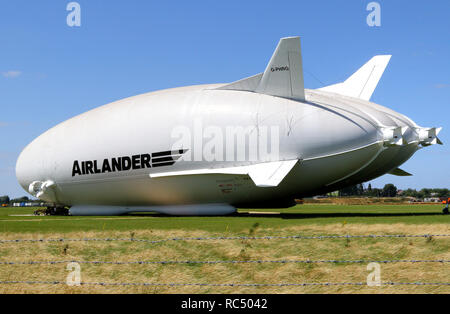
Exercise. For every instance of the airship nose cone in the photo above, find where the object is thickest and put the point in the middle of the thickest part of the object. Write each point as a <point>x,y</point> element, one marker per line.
<point>32,164</point>
<point>36,168</point>
<point>25,167</point>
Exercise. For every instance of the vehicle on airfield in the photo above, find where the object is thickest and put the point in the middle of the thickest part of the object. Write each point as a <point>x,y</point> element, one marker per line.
<point>262,141</point>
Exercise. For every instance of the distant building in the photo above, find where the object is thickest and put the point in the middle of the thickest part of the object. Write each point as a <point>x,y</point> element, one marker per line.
<point>432,200</point>
<point>28,204</point>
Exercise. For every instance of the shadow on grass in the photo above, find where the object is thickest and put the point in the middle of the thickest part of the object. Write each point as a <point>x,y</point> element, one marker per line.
<point>303,215</point>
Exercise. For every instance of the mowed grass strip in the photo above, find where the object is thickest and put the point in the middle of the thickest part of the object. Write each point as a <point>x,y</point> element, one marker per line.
<point>211,250</point>
<point>14,220</point>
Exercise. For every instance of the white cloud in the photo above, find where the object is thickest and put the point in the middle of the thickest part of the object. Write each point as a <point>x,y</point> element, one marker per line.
<point>3,124</point>
<point>11,74</point>
<point>442,85</point>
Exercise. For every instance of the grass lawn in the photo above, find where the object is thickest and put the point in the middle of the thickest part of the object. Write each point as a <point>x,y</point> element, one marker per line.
<point>304,220</point>
<point>14,219</point>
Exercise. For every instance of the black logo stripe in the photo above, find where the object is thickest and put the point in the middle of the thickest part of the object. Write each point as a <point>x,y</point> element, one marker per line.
<point>169,153</point>
<point>164,159</point>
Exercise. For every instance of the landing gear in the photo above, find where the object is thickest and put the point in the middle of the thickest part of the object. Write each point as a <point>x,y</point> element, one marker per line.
<point>445,211</point>
<point>52,211</point>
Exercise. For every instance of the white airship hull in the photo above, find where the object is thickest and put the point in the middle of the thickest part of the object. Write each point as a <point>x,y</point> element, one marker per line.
<point>132,155</point>
<point>125,133</point>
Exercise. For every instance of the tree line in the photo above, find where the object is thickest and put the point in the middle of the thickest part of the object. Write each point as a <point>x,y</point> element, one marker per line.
<point>6,200</point>
<point>390,190</point>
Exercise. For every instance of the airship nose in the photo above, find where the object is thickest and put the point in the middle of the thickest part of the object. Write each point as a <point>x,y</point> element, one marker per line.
<point>26,169</point>
<point>32,164</point>
<point>33,168</point>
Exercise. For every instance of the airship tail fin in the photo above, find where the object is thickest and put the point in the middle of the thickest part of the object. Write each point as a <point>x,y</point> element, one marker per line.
<point>399,172</point>
<point>268,174</point>
<point>363,82</point>
<point>283,76</point>
<point>248,84</point>
<point>284,73</point>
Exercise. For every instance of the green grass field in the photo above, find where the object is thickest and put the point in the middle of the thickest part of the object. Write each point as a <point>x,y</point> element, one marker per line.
<point>13,219</point>
<point>306,220</point>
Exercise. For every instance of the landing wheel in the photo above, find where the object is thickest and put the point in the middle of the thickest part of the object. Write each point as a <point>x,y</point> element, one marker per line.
<point>56,211</point>
<point>445,211</point>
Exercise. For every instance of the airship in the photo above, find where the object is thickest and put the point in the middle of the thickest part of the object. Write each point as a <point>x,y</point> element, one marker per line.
<point>259,142</point>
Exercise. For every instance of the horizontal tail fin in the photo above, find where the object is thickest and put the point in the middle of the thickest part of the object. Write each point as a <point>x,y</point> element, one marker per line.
<point>363,82</point>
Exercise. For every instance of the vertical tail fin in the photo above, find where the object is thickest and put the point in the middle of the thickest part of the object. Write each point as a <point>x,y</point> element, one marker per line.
<point>283,76</point>
<point>284,73</point>
<point>363,82</point>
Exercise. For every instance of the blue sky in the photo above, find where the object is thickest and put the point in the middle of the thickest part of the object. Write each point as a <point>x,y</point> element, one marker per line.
<point>50,72</point>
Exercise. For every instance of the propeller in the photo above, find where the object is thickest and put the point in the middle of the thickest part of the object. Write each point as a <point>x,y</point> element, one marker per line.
<point>394,136</point>
<point>428,136</point>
